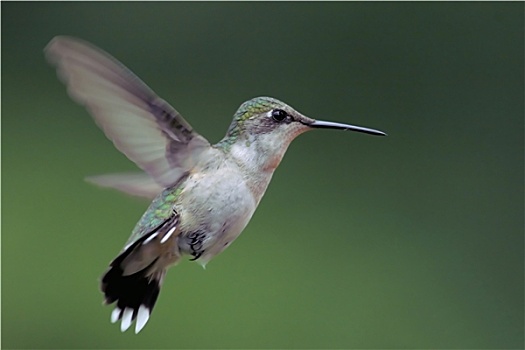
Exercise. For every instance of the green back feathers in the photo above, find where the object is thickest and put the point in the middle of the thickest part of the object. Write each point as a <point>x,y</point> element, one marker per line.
<point>159,210</point>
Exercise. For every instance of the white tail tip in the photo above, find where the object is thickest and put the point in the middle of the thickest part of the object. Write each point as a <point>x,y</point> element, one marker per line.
<point>115,315</point>
<point>142,318</point>
<point>126,319</point>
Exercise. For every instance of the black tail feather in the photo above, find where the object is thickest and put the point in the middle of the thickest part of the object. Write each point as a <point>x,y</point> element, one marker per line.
<point>135,293</point>
<point>131,292</point>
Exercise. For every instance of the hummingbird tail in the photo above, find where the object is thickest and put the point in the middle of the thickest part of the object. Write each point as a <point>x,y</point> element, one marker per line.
<point>135,295</point>
<point>135,276</point>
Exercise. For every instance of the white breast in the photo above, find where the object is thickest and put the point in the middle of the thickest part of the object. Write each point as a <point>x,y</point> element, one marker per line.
<point>217,202</point>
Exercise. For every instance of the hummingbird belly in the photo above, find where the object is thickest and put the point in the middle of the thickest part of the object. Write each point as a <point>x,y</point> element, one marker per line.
<point>214,209</point>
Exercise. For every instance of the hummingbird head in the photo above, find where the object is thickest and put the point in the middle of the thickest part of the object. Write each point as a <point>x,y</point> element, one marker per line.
<point>265,116</point>
<point>267,126</point>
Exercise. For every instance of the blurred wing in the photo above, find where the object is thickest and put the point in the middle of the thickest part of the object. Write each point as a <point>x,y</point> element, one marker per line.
<point>135,184</point>
<point>141,125</point>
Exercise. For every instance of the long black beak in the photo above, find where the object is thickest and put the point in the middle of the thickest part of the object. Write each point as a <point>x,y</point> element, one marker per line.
<point>331,125</point>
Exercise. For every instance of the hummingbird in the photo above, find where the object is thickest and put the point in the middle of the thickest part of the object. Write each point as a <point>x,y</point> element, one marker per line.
<point>203,195</point>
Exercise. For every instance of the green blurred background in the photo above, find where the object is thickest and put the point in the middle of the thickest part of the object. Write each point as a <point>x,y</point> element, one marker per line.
<point>410,241</point>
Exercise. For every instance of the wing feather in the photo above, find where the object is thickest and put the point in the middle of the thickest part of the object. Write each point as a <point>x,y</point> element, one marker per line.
<point>136,184</point>
<point>144,127</point>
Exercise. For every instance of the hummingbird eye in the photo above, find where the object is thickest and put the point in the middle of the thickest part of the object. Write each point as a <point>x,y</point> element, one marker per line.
<point>279,115</point>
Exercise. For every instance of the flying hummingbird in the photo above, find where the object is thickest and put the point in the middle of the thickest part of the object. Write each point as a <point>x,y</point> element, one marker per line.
<point>203,195</point>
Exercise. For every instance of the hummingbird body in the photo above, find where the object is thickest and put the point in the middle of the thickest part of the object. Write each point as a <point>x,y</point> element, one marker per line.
<point>203,195</point>
<point>214,205</point>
